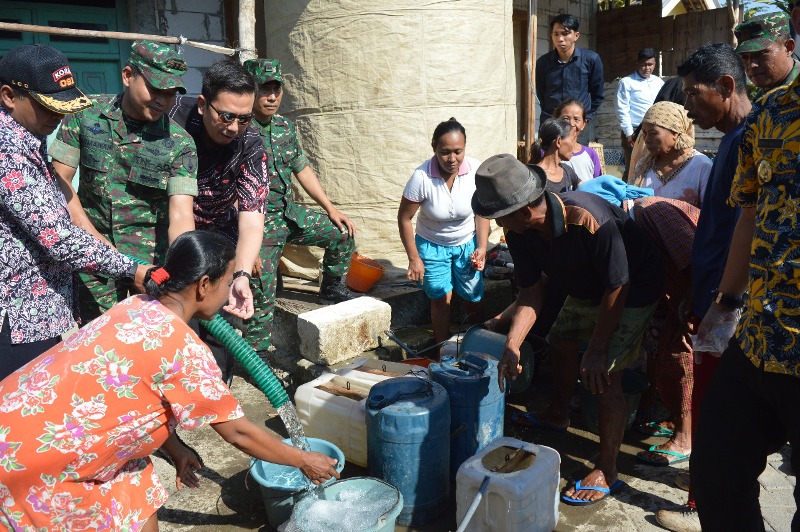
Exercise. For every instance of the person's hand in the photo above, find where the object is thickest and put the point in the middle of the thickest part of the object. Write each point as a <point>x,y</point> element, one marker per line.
<point>240,301</point>
<point>258,267</point>
<point>508,367</point>
<point>138,277</point>
<point>416,270</point>
<point>478,259</point>
<point>594,370</point>
<point>347,227</point>
<point>318,467</point>
<point>186,463</point>
<point>490,324</point>
<point>630,140</point>
<point>716,330</point>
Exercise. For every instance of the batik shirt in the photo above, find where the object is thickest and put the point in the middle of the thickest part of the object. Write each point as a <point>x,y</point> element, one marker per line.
<point>40,248</point>
<point>767,180</point>
<point>284,158</point>
<point>230,178</point>
<point>128,171</point>
<point>78,423</point>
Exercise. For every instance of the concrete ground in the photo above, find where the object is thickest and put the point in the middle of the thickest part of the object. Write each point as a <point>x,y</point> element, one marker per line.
<point>229,499</point>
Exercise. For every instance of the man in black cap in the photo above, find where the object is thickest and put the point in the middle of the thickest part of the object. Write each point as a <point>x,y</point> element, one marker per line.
<point>612,274</point>
<point>41,248</point>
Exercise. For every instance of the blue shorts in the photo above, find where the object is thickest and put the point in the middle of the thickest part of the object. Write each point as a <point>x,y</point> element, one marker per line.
<point>447,267</point>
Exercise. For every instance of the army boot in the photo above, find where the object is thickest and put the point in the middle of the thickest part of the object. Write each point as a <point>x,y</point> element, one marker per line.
<point>334,290</point>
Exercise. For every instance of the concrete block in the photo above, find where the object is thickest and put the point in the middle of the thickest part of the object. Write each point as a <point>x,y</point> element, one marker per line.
<point>331,334</point>
<point>216,30</point>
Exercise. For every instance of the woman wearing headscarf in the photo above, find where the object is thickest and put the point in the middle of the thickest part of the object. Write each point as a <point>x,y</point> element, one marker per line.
<point>672,167</point>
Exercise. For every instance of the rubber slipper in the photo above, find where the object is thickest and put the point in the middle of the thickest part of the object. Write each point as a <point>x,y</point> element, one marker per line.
<point>679,457</point>
<point>655,429</point>
<point>529,420</point>
<point>615,487</point>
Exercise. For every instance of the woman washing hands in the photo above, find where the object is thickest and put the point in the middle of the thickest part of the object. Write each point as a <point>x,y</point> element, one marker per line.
<point>83,417</point>
<point>448,251</point>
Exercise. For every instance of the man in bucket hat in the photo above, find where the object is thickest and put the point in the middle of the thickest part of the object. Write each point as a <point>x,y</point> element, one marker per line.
<point>41,247</point>
<point>612,274</point>
<point>138,168</point>
<point>765,48</point>
<point>286,221</point>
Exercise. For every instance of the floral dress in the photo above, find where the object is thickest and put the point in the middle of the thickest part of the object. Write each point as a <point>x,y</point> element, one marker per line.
<point>78,423</point>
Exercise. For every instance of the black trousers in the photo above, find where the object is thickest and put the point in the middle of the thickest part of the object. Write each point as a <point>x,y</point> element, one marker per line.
<point>747,414</point>
<point>14,356</point>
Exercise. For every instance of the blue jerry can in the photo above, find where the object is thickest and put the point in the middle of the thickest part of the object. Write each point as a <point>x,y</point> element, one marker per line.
<point>476,404</point>
<point>408,444</point>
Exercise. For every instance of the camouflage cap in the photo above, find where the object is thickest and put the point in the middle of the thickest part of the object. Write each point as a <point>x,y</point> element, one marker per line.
<point>264,70</point>
<point>757,33</point>
<point>160,65</point>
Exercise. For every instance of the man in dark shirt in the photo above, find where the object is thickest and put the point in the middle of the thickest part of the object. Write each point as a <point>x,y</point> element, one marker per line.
<point>231,172</point>
<point>568,71</point>
<point>612,275</point>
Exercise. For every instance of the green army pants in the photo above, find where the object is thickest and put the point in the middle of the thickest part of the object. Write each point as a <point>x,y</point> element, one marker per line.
<point>97,294</point>
<point>312,228</point>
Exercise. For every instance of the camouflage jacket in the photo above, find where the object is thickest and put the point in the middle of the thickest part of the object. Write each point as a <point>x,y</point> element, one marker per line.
<point>128,171</point>
<point>284,157</point>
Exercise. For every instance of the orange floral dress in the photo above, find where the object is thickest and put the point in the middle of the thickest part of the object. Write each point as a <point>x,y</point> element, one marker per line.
<point>78,423</point>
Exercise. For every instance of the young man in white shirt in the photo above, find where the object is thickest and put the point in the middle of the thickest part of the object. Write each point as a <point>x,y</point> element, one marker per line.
<point>635,94</point>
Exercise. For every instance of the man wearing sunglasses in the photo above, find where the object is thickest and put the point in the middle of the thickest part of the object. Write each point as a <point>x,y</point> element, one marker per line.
<point>137,169</point>
<point>231,175</point>
<point>286,221</point>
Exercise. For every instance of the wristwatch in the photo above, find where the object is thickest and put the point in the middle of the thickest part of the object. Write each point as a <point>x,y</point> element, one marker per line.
<point>727,300</point>
<point>242,273</point>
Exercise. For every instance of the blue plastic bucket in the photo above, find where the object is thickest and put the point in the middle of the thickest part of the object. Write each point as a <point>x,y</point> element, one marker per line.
<point>368,505</point>
<point>478,340</point>
<point>280,497</point>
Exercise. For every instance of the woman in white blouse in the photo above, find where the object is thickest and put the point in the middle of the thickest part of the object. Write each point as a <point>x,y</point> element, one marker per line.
<point>448,251</point>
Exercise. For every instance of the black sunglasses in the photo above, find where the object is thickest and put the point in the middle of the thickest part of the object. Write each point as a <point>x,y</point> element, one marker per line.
<point>228,118</point>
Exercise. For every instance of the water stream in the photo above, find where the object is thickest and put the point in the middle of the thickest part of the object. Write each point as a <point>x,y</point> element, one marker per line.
<point>289,417</point>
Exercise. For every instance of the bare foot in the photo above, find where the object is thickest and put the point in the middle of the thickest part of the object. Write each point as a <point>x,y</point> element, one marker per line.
<point>594,479</point>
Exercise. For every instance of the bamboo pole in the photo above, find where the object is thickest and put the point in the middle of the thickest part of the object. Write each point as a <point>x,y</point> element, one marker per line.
<point>530,107</point>
<point>72,32</point>
<point>247,30</point>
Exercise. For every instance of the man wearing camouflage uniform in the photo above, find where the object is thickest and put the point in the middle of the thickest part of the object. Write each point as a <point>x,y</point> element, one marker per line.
<point>287,221</point>
<point>138,169</point>
<point>765,48</point>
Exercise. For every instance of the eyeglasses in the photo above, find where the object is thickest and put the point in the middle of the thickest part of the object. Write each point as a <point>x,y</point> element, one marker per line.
<point>228,118</point>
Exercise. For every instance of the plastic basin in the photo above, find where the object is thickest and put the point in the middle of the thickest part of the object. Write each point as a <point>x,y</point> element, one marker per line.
<point>363,273</point>
<point>379,522</point>
<point>279,499</point>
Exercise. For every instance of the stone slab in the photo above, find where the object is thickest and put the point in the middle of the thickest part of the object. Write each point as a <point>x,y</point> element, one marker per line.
<point>338,332</point>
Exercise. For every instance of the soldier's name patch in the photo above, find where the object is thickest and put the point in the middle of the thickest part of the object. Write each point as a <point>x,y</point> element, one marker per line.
<point>770,144</point>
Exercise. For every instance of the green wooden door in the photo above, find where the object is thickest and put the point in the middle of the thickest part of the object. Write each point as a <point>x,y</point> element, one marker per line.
<point>96,63</point>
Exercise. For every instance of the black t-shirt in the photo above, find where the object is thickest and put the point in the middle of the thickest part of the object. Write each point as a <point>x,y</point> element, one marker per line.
<point>596,246</point>
<point>569,182</point>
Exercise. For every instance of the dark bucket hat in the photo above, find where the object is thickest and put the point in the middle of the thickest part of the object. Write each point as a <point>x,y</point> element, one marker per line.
<point>504,185</point>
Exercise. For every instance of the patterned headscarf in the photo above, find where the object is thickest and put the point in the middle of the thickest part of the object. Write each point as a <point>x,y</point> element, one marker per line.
<point>672,117</point>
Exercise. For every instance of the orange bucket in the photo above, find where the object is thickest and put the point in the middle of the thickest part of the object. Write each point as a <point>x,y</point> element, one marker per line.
<point>363,273</point>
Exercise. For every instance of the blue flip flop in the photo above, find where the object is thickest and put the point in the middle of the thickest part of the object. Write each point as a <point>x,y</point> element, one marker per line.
<point>679,457</point>
<point>615,487</point>
<point>526,419</point>
<point>654,429</point>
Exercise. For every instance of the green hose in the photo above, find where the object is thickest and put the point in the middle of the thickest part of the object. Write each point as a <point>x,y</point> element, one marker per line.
<point>266,381</point>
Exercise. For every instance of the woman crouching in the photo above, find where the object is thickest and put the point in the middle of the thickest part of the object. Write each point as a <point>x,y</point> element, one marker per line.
<point>78,423</point>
